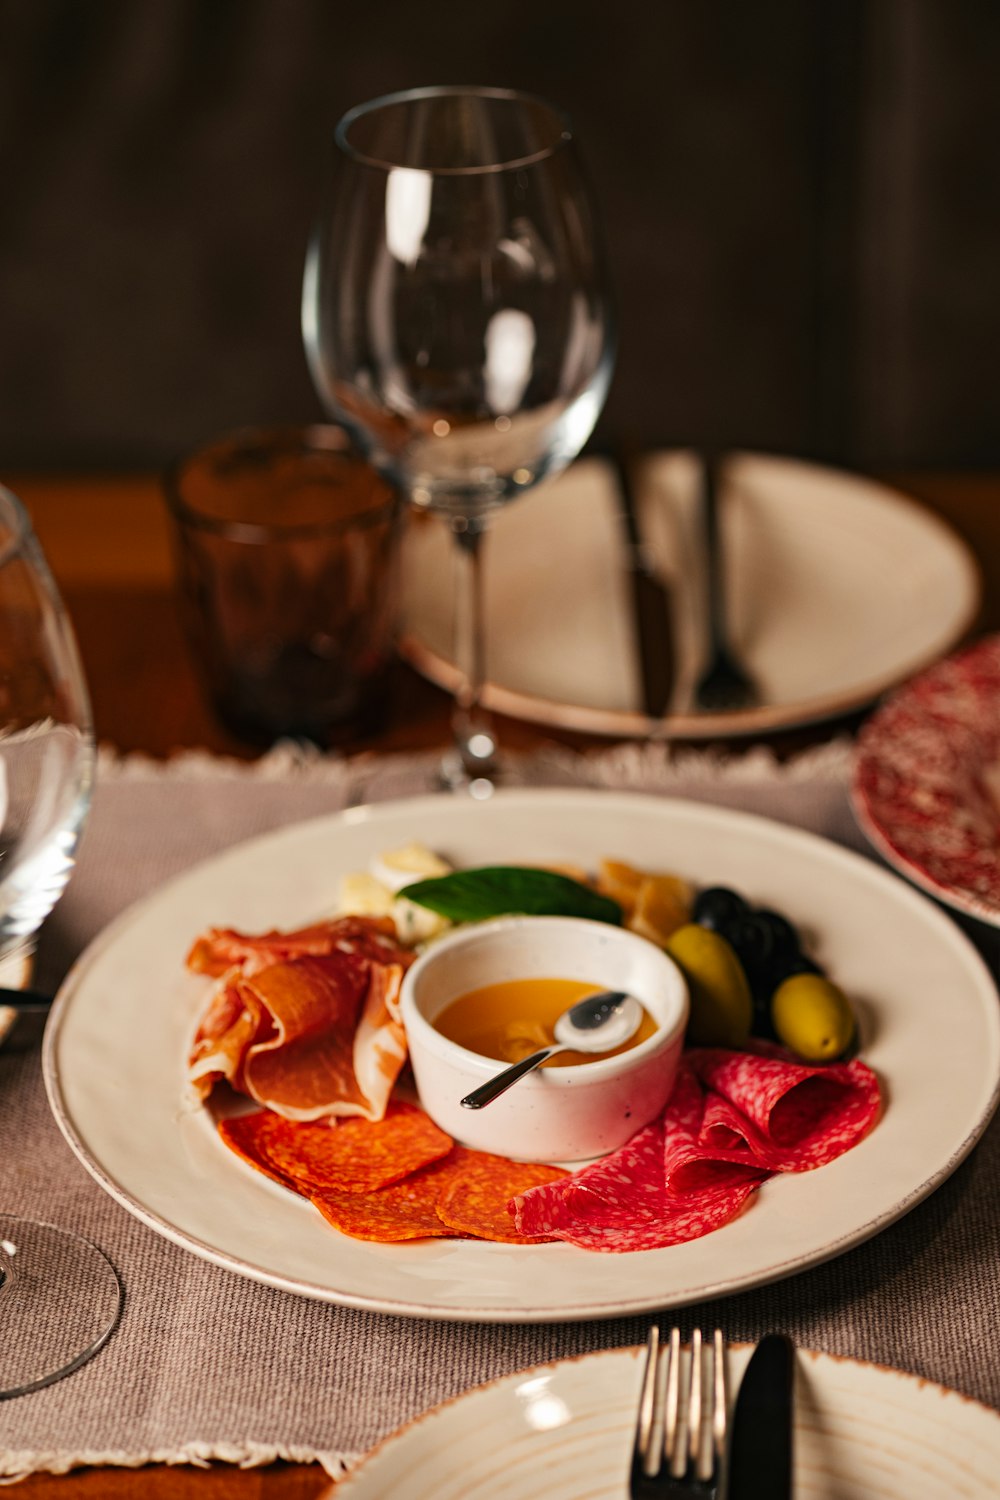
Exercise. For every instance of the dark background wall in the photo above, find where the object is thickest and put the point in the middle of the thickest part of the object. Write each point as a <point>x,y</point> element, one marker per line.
<point>802,201</point>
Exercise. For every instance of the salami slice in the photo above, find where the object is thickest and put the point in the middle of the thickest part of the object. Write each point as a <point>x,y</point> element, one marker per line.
<point>733,1119</point>
<point>689,1217</point>
<point>793,1117</point>
<point>627,1201</point>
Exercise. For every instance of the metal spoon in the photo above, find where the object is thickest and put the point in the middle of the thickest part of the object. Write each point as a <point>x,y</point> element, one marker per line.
<point>600,1023</point>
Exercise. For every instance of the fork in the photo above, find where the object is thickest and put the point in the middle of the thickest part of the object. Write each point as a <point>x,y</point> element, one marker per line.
<point>680,1434</point>
<point>724,686</point>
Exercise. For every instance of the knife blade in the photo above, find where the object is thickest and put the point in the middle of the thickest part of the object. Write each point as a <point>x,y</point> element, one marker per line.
<point>650,602</point>
<point>760,1451</point>
<point>22,1017</point>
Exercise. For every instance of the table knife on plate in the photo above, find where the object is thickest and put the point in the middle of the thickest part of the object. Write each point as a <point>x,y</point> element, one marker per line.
<point>650,600</point>
<point>22,1017</point>
<point>760,1450</point>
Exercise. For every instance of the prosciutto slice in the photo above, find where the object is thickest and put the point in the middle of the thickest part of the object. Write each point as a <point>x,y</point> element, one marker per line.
<point>733,1119</point>
<point>307,1023</point>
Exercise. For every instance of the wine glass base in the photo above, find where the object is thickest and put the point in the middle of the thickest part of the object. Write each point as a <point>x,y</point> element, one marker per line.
<point>454,774</point>
<point>60,1298</point>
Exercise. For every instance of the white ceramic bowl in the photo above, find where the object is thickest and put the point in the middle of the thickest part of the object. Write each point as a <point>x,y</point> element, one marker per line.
<point>554,1114</point>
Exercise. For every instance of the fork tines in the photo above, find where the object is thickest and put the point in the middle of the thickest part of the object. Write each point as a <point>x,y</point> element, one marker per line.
<point>681,1428</point>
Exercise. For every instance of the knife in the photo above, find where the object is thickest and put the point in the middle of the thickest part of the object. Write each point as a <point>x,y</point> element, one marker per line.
<point>650,602</point>
<point>760,1451</point>
<point>22,1017</point>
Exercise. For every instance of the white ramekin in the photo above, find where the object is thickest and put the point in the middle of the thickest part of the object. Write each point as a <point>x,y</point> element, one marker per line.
<point>562,1114</point>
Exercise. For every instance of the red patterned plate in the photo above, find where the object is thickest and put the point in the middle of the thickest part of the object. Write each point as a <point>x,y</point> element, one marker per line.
<point>927,780</point>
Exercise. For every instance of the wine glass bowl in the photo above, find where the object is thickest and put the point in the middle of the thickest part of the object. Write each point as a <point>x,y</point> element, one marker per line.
<point>46,739</point>
<point>59,1295</point>
<point>456,316</point>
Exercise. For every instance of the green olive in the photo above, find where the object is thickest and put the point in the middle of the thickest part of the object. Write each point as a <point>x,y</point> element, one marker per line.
<point>813,1017</point>
<point>721,1007</point>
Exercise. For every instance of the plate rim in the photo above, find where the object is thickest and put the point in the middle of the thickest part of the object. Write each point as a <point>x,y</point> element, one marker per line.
<point>961,901</point>
<point>400,1435</point>
<point>764,718</point>
<point>391,811</point>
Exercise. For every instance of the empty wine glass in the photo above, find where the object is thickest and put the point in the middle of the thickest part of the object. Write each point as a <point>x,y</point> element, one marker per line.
<point>59,1295</point>
<point>456,319</point>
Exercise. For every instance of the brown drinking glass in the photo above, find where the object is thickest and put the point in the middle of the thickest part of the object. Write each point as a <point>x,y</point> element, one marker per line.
<point>287,553</point>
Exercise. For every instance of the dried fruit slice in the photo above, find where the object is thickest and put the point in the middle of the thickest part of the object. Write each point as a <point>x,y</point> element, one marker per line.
<point>621,882</point>
<point>662,905</point>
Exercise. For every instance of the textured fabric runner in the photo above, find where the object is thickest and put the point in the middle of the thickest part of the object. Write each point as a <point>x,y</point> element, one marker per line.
<point>206,1365</point>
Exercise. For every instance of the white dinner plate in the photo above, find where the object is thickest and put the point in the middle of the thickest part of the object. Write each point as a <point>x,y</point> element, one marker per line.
<point>818,605</point>
<point>926,784</point>
<point>563,1431</point>
<point>115,1048</point>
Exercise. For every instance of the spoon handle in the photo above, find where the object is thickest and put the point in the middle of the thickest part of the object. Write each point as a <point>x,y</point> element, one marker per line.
<point>501,1082</point>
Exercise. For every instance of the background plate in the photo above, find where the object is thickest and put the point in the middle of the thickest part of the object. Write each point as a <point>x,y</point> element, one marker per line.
<point>926,785</point>
<point>117,1040</point>
<point>563,1431</point>
<point>819,606</point>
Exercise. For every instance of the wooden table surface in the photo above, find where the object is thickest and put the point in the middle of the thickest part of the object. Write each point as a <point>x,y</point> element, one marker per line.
<point>108,544</point>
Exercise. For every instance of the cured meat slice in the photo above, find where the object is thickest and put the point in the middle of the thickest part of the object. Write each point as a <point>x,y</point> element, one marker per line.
<point>733,1119</point>
<point>305,1023</point>
<point>405,1211</point>
<point>629,1183</point>
<point>353,1156</point>
<point>793,1117</point>
<point>222,948</point>
<point>474,1199</point>
<point>234,1022</point>
<point>627,1201</point>
<point>598,1227</point>
<point>463,1194</point>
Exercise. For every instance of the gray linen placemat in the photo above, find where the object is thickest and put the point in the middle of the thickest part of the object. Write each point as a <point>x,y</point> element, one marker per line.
<point>205,1365</point>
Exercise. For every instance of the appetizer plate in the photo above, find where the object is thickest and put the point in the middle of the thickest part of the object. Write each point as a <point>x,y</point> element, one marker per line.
<point>926,786</point>
<point>818,604</point>
<point>563,1431</point>
<point>117,1040</point>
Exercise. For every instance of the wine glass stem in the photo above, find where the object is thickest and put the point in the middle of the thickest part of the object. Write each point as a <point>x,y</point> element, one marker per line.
<point>475,742</point>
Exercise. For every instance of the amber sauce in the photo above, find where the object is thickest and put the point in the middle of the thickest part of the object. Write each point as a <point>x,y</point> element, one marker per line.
<point>510,1020</point>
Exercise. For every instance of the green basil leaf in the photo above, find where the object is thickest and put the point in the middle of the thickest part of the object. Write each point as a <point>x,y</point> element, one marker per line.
<point>502,890</point>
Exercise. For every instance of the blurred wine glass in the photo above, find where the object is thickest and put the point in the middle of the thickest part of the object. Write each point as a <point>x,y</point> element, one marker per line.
<point>59,1295</point>
<point>457,320</point>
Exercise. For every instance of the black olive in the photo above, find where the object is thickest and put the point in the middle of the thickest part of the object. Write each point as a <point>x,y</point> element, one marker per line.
<point>766,977</point>
<point>784,937</point>
<point>761,1024</point>
<point>753,941</point>
<point>716,906</point>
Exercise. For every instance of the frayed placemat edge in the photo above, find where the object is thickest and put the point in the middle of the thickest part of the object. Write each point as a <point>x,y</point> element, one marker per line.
<point>15,1467</point>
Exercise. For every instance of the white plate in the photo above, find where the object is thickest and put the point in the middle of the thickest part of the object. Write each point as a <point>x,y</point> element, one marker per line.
<point>563,1431</point>
<point>926,784</point>
<point>819,606</point>
<point>117,1039</point>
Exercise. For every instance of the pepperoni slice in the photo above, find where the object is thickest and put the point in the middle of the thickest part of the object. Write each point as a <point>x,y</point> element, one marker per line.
<point>405,1210</point>
<point>464,1194</point>
<point>475,1200</point>
<point>353,1156</point>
